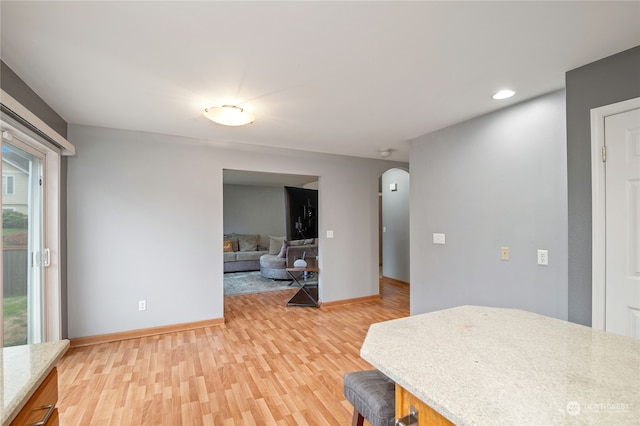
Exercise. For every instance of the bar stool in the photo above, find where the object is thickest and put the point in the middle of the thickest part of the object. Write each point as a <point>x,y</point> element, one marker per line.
<point>372,395</point>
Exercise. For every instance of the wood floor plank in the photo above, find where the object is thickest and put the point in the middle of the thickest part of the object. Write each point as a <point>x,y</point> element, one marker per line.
<point>268,364</point>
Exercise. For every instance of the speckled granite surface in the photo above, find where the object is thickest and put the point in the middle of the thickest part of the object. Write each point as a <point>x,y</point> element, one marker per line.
<point>490,366</point>
<point>22,370</point>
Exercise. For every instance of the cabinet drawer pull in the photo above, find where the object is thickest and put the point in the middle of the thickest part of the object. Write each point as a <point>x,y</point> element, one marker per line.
<point>49,409</point>
<point>409,420</point>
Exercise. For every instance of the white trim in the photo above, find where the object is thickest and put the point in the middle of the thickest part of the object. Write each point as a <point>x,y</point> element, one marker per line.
<point>5,187</point>
<point>1,266</point>
<point>18,108</point>
<point>598,205</point>
<point>52,237</point>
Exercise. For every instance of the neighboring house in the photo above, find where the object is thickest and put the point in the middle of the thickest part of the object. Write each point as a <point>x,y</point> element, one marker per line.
<point>15,183</point>
<point>15,193</point>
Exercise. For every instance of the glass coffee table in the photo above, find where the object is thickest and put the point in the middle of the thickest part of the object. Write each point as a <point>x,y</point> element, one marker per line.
<point>307,279</point>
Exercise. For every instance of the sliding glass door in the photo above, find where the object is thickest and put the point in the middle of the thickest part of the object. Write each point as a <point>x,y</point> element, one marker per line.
<point>23,254</point>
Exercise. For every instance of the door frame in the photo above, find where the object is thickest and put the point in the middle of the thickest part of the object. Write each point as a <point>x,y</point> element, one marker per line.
<point>598,208</point>
<point>52,273</point>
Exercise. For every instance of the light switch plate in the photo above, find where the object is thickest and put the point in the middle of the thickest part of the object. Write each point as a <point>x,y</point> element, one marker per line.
<point>329,234</point>
<point>438,239</point>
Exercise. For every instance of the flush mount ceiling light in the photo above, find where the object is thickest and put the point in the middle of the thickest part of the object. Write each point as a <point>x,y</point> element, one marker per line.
<point>384,153</point>
<point>504,94</point>
<point>228,115</point>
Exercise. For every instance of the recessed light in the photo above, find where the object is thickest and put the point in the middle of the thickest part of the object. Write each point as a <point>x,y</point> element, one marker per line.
<point>504,94</point>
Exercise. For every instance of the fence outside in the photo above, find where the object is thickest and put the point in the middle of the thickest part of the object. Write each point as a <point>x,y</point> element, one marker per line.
<point>15,262</point>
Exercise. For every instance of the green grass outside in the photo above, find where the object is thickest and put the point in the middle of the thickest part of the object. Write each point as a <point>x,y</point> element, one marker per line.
<point>14,312</point>
<point>11,231</point>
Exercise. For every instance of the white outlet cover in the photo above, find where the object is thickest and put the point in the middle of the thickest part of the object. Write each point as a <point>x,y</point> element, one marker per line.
<point>438,238</point>
<point>543,257</point>
<point>504,253</point>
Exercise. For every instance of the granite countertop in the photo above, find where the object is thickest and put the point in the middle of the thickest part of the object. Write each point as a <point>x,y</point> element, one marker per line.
<point>478,366</point>
<point>22,370</point>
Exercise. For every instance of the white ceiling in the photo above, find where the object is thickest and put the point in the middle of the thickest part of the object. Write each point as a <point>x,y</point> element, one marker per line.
<point>336,77</point>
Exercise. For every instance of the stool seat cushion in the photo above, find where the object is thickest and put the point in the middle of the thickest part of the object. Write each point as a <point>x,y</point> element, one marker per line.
<point>372,394</point>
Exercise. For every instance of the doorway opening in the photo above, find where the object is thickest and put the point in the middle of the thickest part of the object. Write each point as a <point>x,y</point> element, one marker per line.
<point>256,223</point>
<point>394,247</point>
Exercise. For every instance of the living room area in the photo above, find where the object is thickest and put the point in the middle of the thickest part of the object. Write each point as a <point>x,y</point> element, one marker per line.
<point>266,229</point>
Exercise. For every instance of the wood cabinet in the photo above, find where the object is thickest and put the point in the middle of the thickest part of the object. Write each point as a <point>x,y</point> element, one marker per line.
<point>41,408</point>
<point>426,415</point>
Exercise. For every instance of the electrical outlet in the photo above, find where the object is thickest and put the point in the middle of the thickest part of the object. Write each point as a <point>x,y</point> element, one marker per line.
<point>142,305</point>
<point>543,257</point>
<point>504,253</point>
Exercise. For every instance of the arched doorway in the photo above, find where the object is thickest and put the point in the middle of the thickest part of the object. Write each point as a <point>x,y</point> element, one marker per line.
<point>394,226</point>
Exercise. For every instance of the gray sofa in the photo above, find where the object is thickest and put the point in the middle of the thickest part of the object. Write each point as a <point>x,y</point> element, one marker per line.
<point>242,252</point>
<point>274,265</point>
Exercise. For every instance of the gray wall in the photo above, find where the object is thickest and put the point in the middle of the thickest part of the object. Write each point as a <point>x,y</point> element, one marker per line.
<point>146,222</point>
<point>497,180</point>
<point>255,210</point>
<point>395,220</point>
<point>610,80</point>
<point>18,89</point>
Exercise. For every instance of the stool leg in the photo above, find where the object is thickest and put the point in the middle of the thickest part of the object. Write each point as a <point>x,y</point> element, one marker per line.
<point>358,420</point>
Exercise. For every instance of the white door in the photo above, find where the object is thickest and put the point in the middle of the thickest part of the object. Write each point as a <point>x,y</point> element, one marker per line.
<point>622,215</point>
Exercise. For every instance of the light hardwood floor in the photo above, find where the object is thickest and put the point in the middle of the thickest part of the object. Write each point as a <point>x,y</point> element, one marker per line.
<point>267,365</point>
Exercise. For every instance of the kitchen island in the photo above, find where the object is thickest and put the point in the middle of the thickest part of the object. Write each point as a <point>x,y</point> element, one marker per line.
<point>27,376</point>
<point>476,365</point>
